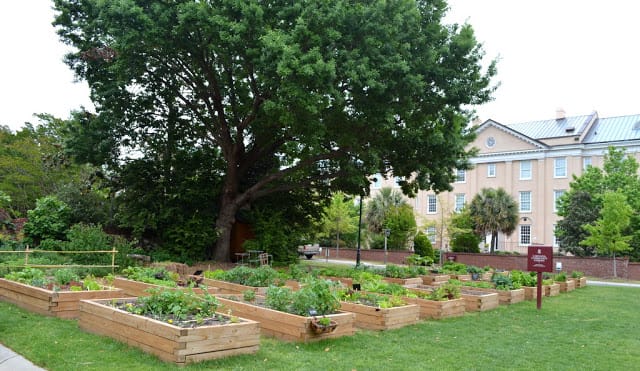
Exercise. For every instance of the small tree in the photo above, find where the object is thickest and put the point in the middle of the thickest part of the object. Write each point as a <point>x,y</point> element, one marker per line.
<point>607,234</point>
<point>422,246</point>
<point>461,230</point>
<point>339,217</point>
<point>493,211</point>
<point>402,223</point>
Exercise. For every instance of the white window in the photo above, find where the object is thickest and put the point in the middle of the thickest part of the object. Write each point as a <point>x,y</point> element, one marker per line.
<point>560,168</point>
<point>459,202</point>
<point>432,204</point>
<point>557,193</point>
<point>491,170</point>
<point>461,176</point>
<point>431,234</point>
<point>586,162</point>
<point>377,181</point>
<point>396,181</point>
<point>525,202</point>
<point>525,170</point>
<point>525,235</point>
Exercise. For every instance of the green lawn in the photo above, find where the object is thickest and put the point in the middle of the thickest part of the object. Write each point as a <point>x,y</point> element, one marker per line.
<point>596,328</point>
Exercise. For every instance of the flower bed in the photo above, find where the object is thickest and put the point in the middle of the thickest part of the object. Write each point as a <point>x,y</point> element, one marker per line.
<point>472,301</point>
<point>225,287</point>
<point>506,297</point>
<point>241,279</point>
<point>169,342</point>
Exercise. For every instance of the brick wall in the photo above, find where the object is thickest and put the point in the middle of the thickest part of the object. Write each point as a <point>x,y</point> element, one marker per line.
<point>594,267</point>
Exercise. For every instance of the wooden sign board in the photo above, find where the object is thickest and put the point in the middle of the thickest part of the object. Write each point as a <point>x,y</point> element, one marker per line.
<point>540,259</point>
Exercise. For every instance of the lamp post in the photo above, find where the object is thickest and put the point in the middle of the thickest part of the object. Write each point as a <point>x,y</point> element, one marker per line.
<point>387,232</point>
<point>359,226</point>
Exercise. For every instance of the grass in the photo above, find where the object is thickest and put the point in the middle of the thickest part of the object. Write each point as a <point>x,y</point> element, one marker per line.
<point>595,328</point>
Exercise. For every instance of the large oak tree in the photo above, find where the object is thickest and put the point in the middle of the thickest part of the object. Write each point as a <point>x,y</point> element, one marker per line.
<point>325,92</point>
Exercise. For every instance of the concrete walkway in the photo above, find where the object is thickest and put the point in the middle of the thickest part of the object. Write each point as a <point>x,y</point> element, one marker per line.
<point>12,361</point>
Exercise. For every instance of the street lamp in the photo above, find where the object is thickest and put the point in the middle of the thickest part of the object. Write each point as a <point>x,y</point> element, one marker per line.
<point>359,226</point>
<point>387,232</point>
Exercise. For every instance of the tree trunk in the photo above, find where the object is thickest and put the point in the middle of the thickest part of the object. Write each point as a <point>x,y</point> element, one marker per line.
<point>224,223</point>
<point>494,242</point>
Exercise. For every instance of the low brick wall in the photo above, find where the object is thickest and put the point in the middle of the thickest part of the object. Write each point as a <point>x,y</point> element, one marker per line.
<point>594,267</point>
<point>376,256</point>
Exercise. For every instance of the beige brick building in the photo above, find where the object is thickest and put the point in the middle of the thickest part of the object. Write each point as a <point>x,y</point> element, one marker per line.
<point>534,162</point>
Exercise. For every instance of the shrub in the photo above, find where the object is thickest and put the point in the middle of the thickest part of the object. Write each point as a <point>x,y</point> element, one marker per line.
<point>422,246</point>
<point>49,220</point>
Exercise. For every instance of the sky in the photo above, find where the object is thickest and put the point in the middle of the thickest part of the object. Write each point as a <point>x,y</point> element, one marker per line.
<point>576,55</point>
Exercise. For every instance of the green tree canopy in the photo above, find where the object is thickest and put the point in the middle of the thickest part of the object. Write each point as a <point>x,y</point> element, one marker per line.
<point>609,234</point>
<point>327,92</point>
<point>582,203</point>
<point>339,217</point>
<point>493,211</point>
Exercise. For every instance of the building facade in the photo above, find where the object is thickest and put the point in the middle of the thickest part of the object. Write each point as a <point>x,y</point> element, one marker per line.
<point>534,162</point>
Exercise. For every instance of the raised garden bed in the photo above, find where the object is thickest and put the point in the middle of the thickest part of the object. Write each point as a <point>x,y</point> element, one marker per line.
<point>137,288</point>
<point>551,290</point>
<point>567,286</point>
<point>530,292</point>
<point>167,341</point>
<point>404,281</point>
<point>375,318</point>
<point>62,304</point>
<point>287,326</point>
<point>434,309</point>
<point>473,300</point>
<point>581,282</point>
<point>506,297</point>
<point>225,287</point>
<point>435,279</point>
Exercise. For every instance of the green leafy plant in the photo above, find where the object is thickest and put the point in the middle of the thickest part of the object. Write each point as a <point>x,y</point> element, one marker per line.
<point>255,277</point>
<point>560,277</point>
<point>504,282</point>
<point>528,279</point>
<point>316,295</point>
<point>65,276</point>
<point>577,274</point>
<point>444,292</point>
<point>249,295</point>
<point>157,276</point>
<point>451,267</point>
<point>172,305</point>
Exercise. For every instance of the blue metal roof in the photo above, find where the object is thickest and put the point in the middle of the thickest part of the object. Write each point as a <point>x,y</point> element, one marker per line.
<point>553,128</point>
<point>613,129</point>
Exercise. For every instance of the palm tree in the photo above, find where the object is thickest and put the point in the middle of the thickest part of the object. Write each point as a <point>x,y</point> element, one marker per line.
<point>493,211</point>
<point>379,206</point>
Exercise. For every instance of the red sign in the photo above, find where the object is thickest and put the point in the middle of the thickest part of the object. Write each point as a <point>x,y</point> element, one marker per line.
<point>540,259</point>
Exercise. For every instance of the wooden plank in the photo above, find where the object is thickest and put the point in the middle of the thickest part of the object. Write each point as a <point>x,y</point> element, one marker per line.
<point>220,354</point>
<point>404,281</point>
<point>28,290</point>
<point>225,287</point>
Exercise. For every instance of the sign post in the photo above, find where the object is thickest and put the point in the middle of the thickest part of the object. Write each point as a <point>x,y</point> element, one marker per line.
<point>540,259</point>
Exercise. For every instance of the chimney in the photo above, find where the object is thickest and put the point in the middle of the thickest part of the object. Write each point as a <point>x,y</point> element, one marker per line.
<point>560,114</point>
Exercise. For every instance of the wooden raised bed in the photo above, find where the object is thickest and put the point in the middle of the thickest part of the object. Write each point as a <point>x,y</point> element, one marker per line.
<point>581,282</point>
<point>62,304</point>
<point>137,288</point>
<point>506,297</point>
<point>461,277</point>
<point>435,279</point>
<point>287,326</point>
<point>373,318</point>
<point>567,286</point>
<point>530,292</point>
<point>168,342</point>
<point>551,290</point>
<point>473,300</point>
<point>479,301</point>
<point>404,281</point>
<point>226,287</point>
<point>434,309</point>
